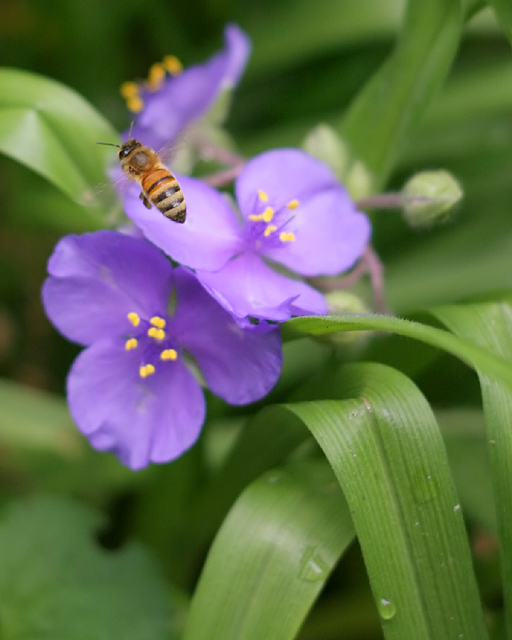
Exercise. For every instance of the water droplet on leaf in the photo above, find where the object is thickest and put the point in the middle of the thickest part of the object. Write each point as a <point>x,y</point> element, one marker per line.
<point>387,609</point>
<point>313,566</point>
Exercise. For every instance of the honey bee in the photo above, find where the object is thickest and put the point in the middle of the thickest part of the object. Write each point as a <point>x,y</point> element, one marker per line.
<point>158,185</point>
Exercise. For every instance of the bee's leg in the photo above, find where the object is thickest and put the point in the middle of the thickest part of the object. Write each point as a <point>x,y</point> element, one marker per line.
<point>145,200</point>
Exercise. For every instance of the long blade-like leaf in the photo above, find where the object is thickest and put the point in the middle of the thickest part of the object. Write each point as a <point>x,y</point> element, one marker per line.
<point>491,325</point>
<point>387,452</point>
<point>271,557</point>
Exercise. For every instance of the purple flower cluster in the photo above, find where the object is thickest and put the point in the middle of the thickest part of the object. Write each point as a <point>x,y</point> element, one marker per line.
<point>155,334</point>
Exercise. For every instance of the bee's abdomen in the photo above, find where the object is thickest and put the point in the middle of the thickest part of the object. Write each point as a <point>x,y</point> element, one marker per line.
<point>164,192</point>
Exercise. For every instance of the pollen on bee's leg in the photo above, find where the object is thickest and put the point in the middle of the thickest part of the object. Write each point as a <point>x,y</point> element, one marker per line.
<point>131,343</point>
<point>146,370</point>
<point>286,236</point>
<point>172,65</point>
<point>134,318</point>
<point>169,354</point>
<point>157,321</point>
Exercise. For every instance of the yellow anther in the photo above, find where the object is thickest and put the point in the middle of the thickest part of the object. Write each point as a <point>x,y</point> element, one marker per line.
<point>293,204</point>
<point>153,332</point>
<point>262,195</point>
<point>266,216</point>
<point>129,89</point>
<point>134,318</point>
<point>286,237</point>
<point>135,104</point>
<point>270,229</point>
<point>172,65</point>
<point>157,321</point>
<point>169,354</point>
<point>131,344</point>
<point>146,370</point>
<point>156,76</point>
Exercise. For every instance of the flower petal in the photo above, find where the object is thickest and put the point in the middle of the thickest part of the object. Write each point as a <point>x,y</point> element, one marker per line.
<point>185,97</point>
<point>154,419</point>
<point>240,365</point>
<point>284,175</point>
<point>329,235</point>
<point>96,279</point>
<point>246,286</point>
<point>210,235</point>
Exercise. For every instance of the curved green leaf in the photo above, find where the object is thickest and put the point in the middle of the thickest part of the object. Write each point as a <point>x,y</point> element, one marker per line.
<point>491,325</point>
<point>271,557</point>
<point>53,131</point>
<point>467,351</point>
<point>387,452</point>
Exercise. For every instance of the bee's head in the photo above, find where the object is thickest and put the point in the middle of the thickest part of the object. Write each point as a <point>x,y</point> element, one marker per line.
<point>127,147</point>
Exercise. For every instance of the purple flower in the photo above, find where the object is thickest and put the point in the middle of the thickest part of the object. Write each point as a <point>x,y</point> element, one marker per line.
<point>183,98</point>
<point>293,213</point>
<point>132,391</point>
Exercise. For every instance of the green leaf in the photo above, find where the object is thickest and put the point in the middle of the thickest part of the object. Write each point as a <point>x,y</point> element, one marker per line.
<point>272,556</point>
<point>503,10</point>
<point>387,452</point>
<point>490,325</point>
<point>383,114</point>
<point>56,582</point>
<point>470,353</point>
<point>53,131</point>
<point>37,420</point>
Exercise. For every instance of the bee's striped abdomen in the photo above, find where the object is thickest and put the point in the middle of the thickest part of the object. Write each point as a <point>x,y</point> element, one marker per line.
<point>164,192</point>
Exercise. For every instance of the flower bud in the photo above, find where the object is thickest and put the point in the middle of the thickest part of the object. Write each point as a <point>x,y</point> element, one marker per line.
<point>323,143</point>
<point>429,198</point>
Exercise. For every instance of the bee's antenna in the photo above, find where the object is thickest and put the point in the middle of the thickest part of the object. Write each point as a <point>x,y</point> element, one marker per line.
<point>130,131</point>
<point>109,144</point>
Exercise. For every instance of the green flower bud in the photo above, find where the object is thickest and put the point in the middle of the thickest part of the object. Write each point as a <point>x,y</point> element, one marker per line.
<point>323,142</point>
<point>429,198</point>
<point>358,180</point>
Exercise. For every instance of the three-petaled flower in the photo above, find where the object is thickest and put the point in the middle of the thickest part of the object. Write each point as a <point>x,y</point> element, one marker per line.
<point>294,214</point>
<point>132,391</point>
<point>168,104</point>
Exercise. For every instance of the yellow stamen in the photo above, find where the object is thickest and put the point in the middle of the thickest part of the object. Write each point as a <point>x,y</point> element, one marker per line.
<point>262,195</point>
<point>157,321</point>
<point>135,104</point>
<point>134,318</point>
<point>146,370</point>
<point>172,65</point>
<point>153,332</point>
<point>156,76</point>
<point>169,354</point>
<point>286,237</point>
<point>266,216</point>
<point>129,89</point>
<point>270,229</point>
<point>131,344</point>
<point>293,204</point>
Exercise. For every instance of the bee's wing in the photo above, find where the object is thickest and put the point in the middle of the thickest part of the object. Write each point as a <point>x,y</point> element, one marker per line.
<point>178,154</point>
